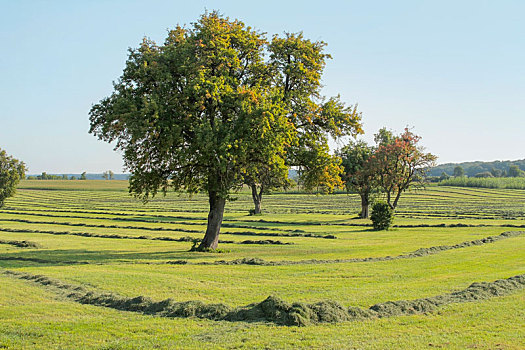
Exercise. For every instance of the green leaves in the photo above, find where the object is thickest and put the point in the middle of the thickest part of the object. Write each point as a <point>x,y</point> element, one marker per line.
<point>206,110</point>
<point>358,172</point>
<point>400,163</point>
<point>11,171</point>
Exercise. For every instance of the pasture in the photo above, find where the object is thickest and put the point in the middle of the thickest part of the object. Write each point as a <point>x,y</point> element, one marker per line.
<point>75,255</point>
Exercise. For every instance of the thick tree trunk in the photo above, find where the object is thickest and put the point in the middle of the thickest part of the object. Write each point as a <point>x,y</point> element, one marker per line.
<point>257,199</point>
<point>211,238</point>
<point>364,206</point>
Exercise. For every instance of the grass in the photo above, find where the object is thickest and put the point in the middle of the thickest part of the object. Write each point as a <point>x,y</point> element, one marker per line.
<point>496,182</point>
<point>62,217</point>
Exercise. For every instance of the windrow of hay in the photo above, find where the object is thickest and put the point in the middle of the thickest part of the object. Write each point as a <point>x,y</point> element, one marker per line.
<point>196,221</point>
<point>363,224</point>
<point>200,221</point>
<point>117,236</point>
<point>238,233</point>
<point>82,224</point>
<point>416,253</point>
<point>42,261</point>
<point>258,261</point>
<point>274,309</point>
<point>21,244</point>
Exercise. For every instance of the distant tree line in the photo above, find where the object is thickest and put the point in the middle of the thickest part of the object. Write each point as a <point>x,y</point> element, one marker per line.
<point>481,169</point>
<point>106,175</point>
<point>46,176</point>
<point>511,172</point>
<point>486,182</point>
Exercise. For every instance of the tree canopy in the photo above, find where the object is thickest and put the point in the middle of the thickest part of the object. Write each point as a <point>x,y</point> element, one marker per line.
<point>11,172</point>
<point>515,171</point>
<point>207,109</point>
<point>393,165</point>
<point>459,171</point>
<point>399,164</point>
<point>359,175</point>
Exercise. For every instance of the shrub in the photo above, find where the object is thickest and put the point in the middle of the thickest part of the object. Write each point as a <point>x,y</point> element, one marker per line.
<point>382,216</point>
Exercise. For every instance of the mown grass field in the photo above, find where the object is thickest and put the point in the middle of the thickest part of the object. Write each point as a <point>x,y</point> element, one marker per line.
<point>305,248</point>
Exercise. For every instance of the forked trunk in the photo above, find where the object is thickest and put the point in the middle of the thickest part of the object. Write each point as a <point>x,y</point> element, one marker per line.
<point>211,238</point>
<point>257,199</point>
<point>364,206</point>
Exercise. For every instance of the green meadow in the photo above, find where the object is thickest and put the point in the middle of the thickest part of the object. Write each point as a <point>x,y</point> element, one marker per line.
<point>70,248</point>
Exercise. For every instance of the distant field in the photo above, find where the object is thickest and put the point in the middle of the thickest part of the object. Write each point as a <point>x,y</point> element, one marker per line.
<point>90,238</point>
<point>517,183</point>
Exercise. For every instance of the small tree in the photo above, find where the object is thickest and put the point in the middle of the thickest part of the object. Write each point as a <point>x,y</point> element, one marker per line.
<point>496,172</point>
<point>11,172</point>
<point>83,176</point>
<point>399,165</point>
<point>459,171</point>
<point>108,175</point>
<point>444,176</point>
<point>515,171</point>
<point>358,172</point>
<point>382,216</point>
<point>263,179</point>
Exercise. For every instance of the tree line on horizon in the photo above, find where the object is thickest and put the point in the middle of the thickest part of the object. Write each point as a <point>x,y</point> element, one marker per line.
<point>106,175</point>
<point>503,168</point>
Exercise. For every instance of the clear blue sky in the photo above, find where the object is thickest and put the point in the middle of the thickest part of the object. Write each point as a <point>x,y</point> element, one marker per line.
<point>453,70</point>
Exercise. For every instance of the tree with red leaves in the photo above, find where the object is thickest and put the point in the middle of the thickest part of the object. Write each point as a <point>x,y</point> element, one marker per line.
<point>399,164</point>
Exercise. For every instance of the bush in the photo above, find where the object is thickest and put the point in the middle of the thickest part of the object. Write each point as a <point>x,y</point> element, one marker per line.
<point>382,216</point>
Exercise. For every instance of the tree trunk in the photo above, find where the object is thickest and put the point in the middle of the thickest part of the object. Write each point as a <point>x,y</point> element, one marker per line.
<point>211,238</point>
<point>364,206</point>
<point>257,199</point>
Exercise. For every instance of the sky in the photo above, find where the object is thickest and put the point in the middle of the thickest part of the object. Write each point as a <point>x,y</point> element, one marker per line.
<point>454,71</point>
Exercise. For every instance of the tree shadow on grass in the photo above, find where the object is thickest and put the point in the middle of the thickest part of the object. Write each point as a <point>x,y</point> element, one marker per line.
<point>61,257</point>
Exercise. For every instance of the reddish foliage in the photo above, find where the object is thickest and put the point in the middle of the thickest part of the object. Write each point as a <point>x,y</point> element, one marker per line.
<point>400,164</point>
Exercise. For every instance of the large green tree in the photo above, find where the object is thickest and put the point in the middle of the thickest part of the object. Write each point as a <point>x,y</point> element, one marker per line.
<point>205,111</point>
<point>359,174</point>
<point>297,65</point>
<point>11,172</point>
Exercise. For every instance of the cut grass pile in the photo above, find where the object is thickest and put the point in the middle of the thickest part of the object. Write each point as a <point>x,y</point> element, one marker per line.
<point>276,310</point>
